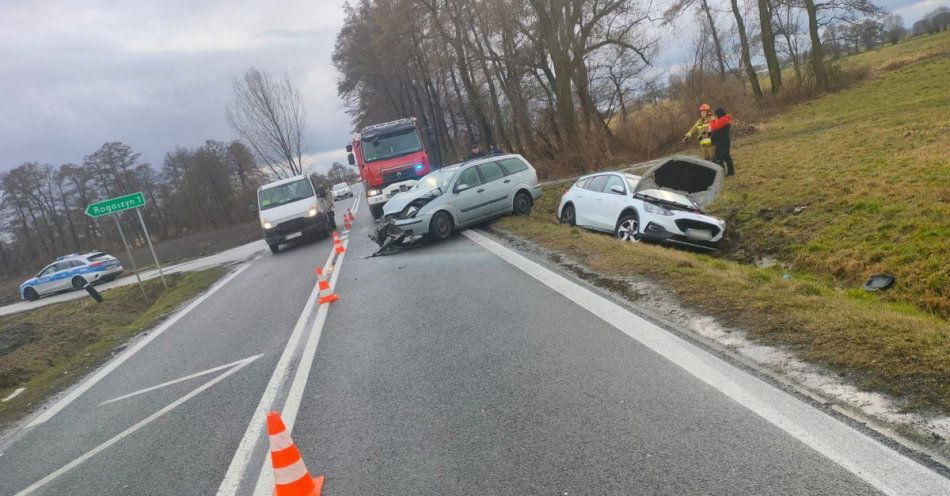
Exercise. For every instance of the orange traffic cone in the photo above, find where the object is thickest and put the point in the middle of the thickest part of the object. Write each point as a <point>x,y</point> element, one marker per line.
<point>337,244</point>
<point>325,295</point>
<point>291,477</point>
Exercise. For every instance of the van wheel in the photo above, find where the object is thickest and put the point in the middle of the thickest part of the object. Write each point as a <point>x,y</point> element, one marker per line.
<point>79,282</point>
<point>522,204</point>
<point>628,228</point>
<point>30,294</point>
<point>274,248</point>
<point>376,210</point>
<point>440,227</point>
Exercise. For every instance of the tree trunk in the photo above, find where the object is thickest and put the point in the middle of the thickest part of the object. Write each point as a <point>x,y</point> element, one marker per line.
<point>768,45</point>
<point>746,58</point>
<point>817,51</point>
<point>715,36</point>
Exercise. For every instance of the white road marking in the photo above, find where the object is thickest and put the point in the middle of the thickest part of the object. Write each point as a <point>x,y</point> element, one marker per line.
<point>180,379</point>
<point>885,469</point>
<point>14,394</point>
<point>255,427</point>
<point>265,479</point>
<point>142,423</point>
<point>132,350</point>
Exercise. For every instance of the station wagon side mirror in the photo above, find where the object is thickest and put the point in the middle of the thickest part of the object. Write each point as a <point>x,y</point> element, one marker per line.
<point>617,189</point>
<point>461,187</point>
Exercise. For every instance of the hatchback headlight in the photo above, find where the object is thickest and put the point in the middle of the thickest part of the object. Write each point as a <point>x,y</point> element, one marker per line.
<point>656,209</point>
<point>373,192</point>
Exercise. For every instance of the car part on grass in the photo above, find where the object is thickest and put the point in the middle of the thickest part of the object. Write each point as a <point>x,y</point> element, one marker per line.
<point>95,294</point>
<point>879,282</point>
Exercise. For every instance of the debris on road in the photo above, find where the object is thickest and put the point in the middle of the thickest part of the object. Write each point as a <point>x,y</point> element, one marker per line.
<point>879,282</point>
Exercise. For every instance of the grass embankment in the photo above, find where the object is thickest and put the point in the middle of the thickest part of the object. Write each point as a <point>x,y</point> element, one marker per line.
<point>46,349</point>
<point>870,165</point>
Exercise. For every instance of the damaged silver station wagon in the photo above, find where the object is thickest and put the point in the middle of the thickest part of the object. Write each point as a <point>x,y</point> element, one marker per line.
<point>458,196</point>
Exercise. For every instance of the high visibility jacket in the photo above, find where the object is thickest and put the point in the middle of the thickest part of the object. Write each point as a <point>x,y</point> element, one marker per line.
<point>701,128</point>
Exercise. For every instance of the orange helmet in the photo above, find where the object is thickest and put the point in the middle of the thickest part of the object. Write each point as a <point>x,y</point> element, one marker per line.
<point>704,106</point>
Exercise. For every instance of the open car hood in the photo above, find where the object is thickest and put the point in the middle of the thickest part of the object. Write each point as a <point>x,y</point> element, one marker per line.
<point>698,179</point>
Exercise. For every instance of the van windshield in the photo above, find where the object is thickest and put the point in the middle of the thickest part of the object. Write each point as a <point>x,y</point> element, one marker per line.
<point>285,193</point>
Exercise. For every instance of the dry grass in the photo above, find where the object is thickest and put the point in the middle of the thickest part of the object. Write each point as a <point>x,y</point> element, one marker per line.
<point>46,349</point>
<point>880,345</point>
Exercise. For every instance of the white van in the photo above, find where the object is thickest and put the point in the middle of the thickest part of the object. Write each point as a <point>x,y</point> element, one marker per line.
<point>292,208</point>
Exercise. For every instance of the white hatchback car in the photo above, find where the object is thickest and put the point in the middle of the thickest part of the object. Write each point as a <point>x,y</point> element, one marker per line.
<point>665,204</point>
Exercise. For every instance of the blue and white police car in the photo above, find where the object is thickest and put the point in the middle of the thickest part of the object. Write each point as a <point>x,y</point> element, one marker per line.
<point>72,271</point>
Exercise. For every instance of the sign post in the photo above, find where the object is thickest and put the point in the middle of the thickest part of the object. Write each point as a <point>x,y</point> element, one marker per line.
<point>128,252</point>
<point>116,205</point>
<point>151,248</point>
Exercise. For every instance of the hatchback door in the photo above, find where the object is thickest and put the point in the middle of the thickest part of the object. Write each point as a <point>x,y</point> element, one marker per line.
<point>469,197</point>
<point>591,202</point>
<point>611,202</point>
<point>497,188</point>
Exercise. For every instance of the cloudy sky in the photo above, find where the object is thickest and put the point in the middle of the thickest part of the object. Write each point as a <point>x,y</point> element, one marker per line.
<point>155,74</point>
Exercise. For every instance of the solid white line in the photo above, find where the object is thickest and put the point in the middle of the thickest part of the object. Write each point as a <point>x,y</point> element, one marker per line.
<point>180,379</point>
<point>265,479</point>
<point>119,360</point>
<point>147,420</point>
<point>255,427</point>
<point>885,469</point>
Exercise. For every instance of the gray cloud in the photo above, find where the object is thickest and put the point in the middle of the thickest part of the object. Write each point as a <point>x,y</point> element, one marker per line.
<point>154,75</point>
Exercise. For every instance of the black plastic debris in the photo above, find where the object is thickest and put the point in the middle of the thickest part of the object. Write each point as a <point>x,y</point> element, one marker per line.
<point>92,292</point>
<point>879,282</point>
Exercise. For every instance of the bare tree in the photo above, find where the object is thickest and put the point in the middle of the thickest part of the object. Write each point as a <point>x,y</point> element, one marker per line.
<point>894,29</point>
<point>746,56</point>
<point>270,117</point>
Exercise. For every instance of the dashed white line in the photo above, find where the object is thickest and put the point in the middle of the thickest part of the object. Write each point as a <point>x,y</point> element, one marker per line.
<point>132,350</point>
<point>142,423</point>
<point>180,379</point>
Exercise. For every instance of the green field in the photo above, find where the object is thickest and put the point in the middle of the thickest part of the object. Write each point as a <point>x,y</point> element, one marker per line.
<point>871,167</point>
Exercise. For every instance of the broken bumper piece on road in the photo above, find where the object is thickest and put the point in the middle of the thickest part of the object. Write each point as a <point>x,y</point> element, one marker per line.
<point>391,233</point>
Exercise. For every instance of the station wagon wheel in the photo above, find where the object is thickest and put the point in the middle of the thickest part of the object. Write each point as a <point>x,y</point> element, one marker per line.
<point>628,228</point>
<point>79,282</point>
<point>568,216</point>
<point>31,294</point>
<point>523,203</point>
<point>440,227</point>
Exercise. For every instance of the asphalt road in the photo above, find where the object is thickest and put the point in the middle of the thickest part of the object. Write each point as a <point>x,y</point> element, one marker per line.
<point>454,368</point>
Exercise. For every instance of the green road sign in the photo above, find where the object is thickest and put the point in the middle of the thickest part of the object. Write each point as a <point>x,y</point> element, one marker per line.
<point>113,205</point>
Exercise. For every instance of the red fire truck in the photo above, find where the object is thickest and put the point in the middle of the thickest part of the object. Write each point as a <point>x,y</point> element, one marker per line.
<point>391,157</point>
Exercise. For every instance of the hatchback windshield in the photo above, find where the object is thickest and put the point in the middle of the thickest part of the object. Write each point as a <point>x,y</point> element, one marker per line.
<point>438,179</point>
<point>285,193</point>
<point>338,187</point>
<point>391,146</point>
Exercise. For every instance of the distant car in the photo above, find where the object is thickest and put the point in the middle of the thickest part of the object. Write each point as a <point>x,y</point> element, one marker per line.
<point>341,191</point>
<point>664,205</point>
<point>72,271</point>
<point>458,196</point>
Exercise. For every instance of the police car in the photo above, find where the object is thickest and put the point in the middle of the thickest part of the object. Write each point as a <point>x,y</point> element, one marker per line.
<point>72,271</point>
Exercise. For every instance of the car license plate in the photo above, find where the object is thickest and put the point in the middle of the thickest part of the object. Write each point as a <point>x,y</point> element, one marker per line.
<point>292,236</point>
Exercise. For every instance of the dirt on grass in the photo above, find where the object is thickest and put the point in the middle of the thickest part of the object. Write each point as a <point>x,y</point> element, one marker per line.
<point>169,251</point>
<point>47,349</point>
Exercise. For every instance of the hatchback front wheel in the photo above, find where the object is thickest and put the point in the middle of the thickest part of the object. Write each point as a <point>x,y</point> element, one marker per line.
<point>628,229</point>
